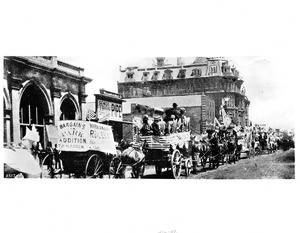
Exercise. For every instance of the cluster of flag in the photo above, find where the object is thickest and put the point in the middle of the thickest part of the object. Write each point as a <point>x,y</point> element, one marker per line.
<point>91,116</point>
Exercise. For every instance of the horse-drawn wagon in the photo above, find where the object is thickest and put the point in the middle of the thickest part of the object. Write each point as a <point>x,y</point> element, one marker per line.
<point>164,152</point>
<point>84,149</point>
<point>168,152</point>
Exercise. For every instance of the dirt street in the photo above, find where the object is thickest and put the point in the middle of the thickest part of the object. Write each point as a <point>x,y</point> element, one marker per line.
<point>279,165</point>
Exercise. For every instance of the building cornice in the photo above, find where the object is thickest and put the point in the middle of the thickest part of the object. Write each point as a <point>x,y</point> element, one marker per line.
<point>50,69</point>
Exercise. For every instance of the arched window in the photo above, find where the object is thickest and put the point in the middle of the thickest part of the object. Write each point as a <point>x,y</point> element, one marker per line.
<point>145,76</point>
<point>155,75</point>
<point>33,109</point>
<point>196,72</point>
<point>129,76</point>
<point>167,74</point>
<point>68,109</point>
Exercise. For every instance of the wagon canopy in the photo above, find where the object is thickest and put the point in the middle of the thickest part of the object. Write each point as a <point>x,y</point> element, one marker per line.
<point>74,135</point>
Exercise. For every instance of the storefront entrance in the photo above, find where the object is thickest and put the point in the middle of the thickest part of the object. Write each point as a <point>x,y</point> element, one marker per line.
<point>33,109</point>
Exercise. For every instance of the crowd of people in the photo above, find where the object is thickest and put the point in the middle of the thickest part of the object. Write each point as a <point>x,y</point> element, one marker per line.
<point>249,139</point>
<point>246,138</point>
<point>174,121</point>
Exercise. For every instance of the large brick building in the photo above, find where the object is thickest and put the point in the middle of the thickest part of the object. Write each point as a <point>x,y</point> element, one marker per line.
<point>213,77</point>
<point>40,90</point>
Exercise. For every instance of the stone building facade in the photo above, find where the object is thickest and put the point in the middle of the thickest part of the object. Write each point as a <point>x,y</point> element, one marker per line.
<point>213,77</point>
<point>40,90</point>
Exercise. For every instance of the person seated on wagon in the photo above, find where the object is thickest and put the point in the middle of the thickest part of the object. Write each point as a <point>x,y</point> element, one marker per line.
<point>155,126</point>
<point>172,125</point>
<point>146,128</point>
<point>162,126</point>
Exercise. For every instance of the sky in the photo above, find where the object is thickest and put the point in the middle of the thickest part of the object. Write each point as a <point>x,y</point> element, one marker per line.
<point>96,35</point>
<point>268,85</point>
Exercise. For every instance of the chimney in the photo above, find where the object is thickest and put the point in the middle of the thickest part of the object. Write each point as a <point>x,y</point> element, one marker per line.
<point>160,61</point>
<point>180,61</point>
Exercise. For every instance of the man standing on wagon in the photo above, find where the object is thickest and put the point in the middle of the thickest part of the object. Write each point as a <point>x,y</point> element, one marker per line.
<point>172,117</point>
<point>173,111</point>
<point>146,129</point>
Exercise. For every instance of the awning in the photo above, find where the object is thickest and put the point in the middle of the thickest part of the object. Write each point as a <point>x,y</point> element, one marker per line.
<point>113,120</point>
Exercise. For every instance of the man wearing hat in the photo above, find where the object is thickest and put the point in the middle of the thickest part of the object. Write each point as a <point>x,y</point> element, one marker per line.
<point>146,129</point>
<point>183,121</point>
<point>155,126</point>
<point>173,111</point>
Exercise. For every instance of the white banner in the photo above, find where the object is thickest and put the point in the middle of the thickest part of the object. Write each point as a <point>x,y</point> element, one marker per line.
<point>85,135</point>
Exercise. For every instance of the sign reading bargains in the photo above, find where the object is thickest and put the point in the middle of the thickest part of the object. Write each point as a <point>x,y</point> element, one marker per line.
<point>77,136</point>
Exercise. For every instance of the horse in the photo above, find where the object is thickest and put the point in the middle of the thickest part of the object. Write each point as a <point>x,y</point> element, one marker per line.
<point>231,151</point>
<point>132,156</point>
<point>257,147</point>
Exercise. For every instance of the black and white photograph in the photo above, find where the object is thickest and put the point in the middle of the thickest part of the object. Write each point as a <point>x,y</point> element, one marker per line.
<point>149,116</point>
<point>170,118</point>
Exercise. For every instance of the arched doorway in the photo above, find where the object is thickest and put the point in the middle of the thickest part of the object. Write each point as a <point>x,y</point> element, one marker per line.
<point>68,109</point>
<point>33,109</point>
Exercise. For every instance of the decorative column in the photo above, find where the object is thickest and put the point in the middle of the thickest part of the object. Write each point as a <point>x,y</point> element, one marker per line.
<point>56,95</point>
<point>15,104</point>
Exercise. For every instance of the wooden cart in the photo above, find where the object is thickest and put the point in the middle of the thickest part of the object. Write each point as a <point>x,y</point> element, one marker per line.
<point>168,152</point>
<point>84,150</point>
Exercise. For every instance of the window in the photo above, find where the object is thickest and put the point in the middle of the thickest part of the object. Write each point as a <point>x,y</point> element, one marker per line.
<point>168,74</point>
<point>181,73</point>
<point>145,76</point>
<point>155,75</point>
<point>212,69</point>
<point>196,72</point>
<point>129,76</point>
<point>33,108</point>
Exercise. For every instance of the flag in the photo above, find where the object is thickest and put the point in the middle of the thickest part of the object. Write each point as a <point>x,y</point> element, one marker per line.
<point>91,116</point>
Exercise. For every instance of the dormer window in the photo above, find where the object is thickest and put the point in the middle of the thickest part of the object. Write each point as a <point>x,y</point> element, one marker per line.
<point>167,74</point>
<point>145,76</point>
<point>129,76</point>
<point>212,70</point>
<point>155,75</point>
<point>196,72</point>
<point>181,73</point>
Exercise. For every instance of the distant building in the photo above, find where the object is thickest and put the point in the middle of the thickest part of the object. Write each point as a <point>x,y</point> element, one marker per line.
<point>40,90</point>
<point>212,76</point>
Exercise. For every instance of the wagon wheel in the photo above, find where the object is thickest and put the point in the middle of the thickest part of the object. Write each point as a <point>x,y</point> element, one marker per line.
<point>176,164</point>
<point>116,168</point>
<point>94,167</point>
<point>48,168</point>
<point>188,166</point>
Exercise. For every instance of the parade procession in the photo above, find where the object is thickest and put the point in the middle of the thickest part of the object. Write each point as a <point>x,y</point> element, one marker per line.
<point>166,121</point>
